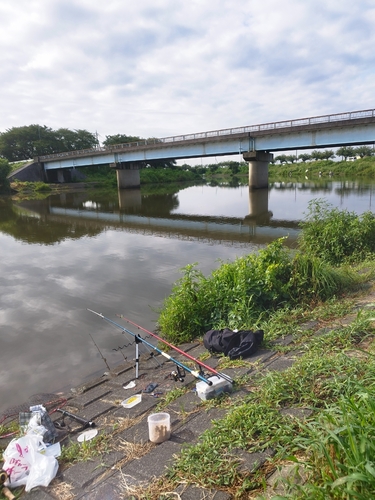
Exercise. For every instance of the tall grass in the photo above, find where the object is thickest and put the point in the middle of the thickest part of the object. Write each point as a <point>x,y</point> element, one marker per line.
<point>337,236</point>
<point>340,446</point>
<point>362,167</point>
<point>239,293</point>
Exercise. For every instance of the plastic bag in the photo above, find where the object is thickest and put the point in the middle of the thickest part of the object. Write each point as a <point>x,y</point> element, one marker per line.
<point>37,421</point>
<point>25,463</point>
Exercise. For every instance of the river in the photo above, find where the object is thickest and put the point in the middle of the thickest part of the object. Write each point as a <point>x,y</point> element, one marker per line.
<point>121,254</point>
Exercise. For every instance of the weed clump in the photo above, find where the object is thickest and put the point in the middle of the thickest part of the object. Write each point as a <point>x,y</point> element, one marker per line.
<point>337,236</point>
<point>238,294</point>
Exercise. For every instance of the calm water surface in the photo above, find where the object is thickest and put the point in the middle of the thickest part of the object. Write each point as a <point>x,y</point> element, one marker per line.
<point>121,255</point>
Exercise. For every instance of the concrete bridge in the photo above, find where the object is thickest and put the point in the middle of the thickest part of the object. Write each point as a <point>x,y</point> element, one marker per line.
<point>255,143</point>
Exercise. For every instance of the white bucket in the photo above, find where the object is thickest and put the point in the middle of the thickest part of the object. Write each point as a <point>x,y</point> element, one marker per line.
<point>159,427</point>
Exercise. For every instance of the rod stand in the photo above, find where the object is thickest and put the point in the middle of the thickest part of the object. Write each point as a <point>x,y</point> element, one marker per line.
<point>138,341</point>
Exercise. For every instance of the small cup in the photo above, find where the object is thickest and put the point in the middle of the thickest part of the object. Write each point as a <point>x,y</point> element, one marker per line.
<point>159,427</point>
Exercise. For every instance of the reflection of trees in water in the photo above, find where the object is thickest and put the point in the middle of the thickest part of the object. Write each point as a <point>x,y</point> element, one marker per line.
<point>322,187</point>
<point>158,204</point>
<point>42,229</point>
<point>155,204</point>
<point>349,187</point>
<point>6,210</point>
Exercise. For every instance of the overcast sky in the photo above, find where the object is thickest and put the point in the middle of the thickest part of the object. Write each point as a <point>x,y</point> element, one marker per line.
<point>156,68</point>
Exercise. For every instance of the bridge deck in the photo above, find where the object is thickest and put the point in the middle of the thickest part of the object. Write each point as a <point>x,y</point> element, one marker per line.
<point>239,138</point>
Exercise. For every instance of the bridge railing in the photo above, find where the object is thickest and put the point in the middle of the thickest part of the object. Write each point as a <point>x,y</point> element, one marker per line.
<point>352,115</point>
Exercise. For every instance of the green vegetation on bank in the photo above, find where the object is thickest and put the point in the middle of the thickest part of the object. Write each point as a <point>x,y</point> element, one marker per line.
<point>240,294</point>
<point>234,170</point>
<point>337,236</point>
<point>330,449</point>
<point>332,386</point>
<point>5,169</point>
<point>361,167</point>
<point>106,176</point>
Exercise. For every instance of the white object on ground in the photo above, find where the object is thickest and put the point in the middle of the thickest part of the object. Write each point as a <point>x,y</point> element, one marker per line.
<point>132,401</point>
<point>130,385</point>
<point>87,435</point>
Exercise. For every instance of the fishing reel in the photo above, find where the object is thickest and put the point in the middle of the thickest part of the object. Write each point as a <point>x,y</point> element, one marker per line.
<point>179,374</point>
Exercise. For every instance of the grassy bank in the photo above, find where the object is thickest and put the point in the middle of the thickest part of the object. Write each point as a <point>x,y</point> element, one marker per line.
<point>362,167</point>
<point>106,176</point>
<point>309,294</point>
<point>331,386</point>
<point>241,294</point>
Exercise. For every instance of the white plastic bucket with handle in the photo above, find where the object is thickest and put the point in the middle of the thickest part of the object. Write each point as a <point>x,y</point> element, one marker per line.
<point>159,427</point>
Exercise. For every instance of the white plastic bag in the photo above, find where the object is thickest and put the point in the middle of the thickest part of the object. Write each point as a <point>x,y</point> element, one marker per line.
<point>26,465</point>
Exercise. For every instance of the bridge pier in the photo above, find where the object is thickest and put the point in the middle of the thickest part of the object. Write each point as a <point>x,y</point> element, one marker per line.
<point>128,176</point>
<point>258,168</point>
<point>258,207</point>
<point>131,198</point>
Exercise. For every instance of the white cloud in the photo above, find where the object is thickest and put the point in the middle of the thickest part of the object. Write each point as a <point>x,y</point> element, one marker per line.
<point>164,67</point>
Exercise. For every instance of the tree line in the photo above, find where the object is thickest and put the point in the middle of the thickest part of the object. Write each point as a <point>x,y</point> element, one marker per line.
<point>31,141</point>
<point>345,152</point>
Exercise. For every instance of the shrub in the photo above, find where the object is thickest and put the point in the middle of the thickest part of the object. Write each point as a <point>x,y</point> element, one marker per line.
<point>337,236</point>
<point>314,279</point>
<point>5,168</point>
<point>238,293</point>
<point>41,186</point>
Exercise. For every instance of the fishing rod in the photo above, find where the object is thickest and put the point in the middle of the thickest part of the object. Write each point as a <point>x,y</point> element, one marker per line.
<point>200,363</point>
<point>139,339</point>
<point>81,420</point>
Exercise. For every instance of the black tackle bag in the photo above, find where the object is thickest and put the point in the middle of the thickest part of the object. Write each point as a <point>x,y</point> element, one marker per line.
<point>240,344</point>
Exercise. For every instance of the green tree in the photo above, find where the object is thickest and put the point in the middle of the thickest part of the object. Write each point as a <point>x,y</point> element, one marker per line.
<point>23,143</point>
<point>281,158</point>
<point>346,152</point>
<point>304,157</point>
<point>5,169</point>
<point>327,154</point>
<point>74,140</point>
<point>291,158</point>
<point>111,140</point>
<point>317,155</point>
<point>363,151</point>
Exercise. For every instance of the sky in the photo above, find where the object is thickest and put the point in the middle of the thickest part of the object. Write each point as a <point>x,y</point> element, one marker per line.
<point>158,68</point>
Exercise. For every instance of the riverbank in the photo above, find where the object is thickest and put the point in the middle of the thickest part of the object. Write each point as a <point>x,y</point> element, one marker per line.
<point>315,358</point>
<point>32,190</point>
<point>121,463</point>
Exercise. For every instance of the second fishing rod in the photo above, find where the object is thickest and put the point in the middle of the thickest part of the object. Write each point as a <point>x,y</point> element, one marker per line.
<point>139,339</point>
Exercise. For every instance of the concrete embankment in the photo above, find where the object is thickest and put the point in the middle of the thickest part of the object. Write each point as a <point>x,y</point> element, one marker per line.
<point>31,171</point>
<point>130,462</point>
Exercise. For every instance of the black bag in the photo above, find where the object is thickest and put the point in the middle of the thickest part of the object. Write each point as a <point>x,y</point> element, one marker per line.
<point>233,344</point>
<point>221,341</point>
<point>249,343</point>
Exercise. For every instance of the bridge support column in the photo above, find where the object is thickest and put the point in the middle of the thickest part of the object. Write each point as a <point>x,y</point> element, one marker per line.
<point>258,168</point>
<point>258,206</point>
<point>130,198</point>
<point>127,175</point>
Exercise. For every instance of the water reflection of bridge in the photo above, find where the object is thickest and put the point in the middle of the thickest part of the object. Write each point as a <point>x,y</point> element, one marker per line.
<point>157,216</point>
<point>229,229</point>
